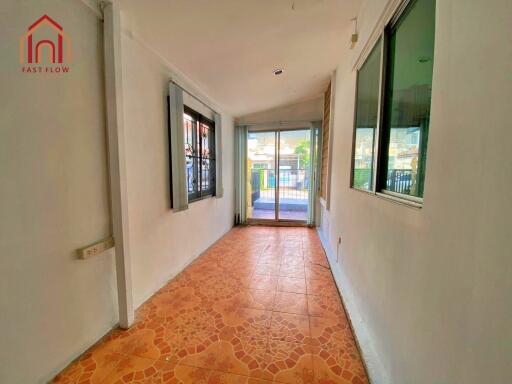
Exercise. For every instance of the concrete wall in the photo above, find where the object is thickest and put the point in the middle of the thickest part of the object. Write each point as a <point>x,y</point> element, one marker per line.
<point>163,242</point>
<point>429,289</point>
<point>53,198</point>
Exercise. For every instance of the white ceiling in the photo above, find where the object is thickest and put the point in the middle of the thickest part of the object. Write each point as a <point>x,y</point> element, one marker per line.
<point>230,47</point>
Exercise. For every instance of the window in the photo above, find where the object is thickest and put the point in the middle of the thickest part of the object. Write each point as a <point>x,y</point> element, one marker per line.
<point>400,115</point>
<point>199,154</point>
<point>367,108</point>
<point>407,99</point>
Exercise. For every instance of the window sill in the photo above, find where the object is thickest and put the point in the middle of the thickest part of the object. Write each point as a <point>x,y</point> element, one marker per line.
<point>400,200</point>
<point>195,199</point>
<point>362,190</point>
<point>392,198</point>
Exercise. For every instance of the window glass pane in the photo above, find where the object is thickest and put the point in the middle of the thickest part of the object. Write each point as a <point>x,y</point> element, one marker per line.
<point>189,125</point>
<point>205,177</point>
<point>261,175</point>
<point>205,140</point>
<point>200,154</point>
<point>407,101</point>
<point>207,158</point>
<point>367,108</point>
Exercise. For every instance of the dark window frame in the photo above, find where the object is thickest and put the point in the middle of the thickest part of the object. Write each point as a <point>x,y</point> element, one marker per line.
<point>198,160</point>
<point>381,135</point>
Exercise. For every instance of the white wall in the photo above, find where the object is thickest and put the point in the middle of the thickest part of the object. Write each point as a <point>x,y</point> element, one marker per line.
<point>430,288</point>
<point>163,242</point>
<point>53,199</point>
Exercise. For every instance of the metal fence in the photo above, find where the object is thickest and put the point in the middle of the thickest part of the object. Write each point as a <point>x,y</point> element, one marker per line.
<point>399,180</point>
<point>293,184</point>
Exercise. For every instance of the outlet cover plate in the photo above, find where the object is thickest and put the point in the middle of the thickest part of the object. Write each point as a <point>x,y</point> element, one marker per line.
<point>96,248</point>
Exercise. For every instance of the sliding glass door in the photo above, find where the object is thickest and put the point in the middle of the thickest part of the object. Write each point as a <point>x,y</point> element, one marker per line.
<point>279,175</point>
<point>294,178</point>
<point>261,178</point>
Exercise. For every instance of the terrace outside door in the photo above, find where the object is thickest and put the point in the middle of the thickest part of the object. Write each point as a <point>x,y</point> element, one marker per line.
<point>278,166</point>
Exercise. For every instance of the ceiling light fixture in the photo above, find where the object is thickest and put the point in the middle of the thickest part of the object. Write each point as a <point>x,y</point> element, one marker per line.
<point>355,35</point>
<point>278,71</point>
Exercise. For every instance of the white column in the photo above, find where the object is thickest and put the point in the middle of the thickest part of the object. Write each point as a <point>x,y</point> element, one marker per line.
<point>117,163</point>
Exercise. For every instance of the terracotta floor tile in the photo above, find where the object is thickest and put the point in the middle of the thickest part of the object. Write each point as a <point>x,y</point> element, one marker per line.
<point>190,333</point>
<point>324,306</point>
<point>246,322</point>
<point>229,378</point>
<point>263,282</point>
<point>338,364</point>
<point>289,327</point>
<point>131,369</point>
<point>291,303</point>
<point>273,246</point>
<point>185,375</point>
<point>288,363</point>
<point>315,254</point>
<point>217,288</point>
<point>136,341</point>
<point>270,258</point>
<point>218,356</point>
<point>292,271</point>
<point>136,370</point>
<point>237,314</point>
<point>322,262</point>
<point>93,367</point>
<point>292,261</point>
<point>171,303</point>
<point>291,284</point>
<point>237,269</point>
<point>328,329</point>
<point>292,253</point>
<point>267,269</point>
<point>322,288</point>
<point>318,272</point>
<point>257,298</point>
<point>251,351</point>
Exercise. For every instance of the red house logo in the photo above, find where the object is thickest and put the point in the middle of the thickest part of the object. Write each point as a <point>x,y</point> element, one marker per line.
<point>45,42</point>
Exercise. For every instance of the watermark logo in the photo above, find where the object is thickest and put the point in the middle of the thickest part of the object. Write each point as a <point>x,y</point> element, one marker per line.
<point>45,48</point>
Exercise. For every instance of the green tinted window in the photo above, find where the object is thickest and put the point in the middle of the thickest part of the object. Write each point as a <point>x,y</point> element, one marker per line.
<point>367,107</point>
<point>409,68</point>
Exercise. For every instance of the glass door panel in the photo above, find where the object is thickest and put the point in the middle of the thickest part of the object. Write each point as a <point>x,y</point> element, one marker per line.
<point>261,175</point>
<point>294,174</point>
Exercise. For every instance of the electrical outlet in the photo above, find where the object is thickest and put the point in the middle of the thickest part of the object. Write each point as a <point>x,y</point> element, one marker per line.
<point>96,248</point>
<point>338,248</point>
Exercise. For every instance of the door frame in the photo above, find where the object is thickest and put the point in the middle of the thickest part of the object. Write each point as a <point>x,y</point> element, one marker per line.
<point>277,221</point>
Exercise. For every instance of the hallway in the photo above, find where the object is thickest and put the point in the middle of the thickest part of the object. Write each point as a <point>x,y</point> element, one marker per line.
<point>259,306</point>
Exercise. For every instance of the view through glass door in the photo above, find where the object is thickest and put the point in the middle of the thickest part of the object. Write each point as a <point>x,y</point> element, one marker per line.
<point>278,167</point>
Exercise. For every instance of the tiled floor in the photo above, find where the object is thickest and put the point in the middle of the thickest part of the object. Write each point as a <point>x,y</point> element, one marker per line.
<point>259,306</point>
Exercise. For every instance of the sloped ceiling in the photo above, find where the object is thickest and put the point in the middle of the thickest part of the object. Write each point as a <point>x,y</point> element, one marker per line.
<point>230,47</point>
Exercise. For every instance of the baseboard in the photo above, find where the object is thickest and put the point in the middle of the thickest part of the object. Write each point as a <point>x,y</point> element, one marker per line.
<point>376,372</point>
